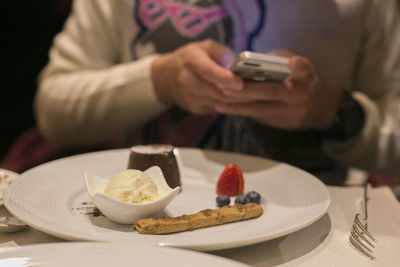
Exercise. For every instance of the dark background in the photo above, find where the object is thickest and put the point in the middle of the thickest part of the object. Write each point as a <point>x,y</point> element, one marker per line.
<point>29,28</point>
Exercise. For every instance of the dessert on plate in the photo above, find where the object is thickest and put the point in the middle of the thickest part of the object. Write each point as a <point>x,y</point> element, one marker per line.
<point>143,157</point>
<point>131,194</point>
<point>201,219</point>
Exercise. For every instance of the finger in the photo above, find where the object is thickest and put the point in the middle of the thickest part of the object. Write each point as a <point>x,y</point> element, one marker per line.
<point>199,105</point>
<point>203,88</point>
<point>303,72</point>
<point>298,64</point>
<point>218,95</point>
<point>276,114</point>
<point>221,54</point>
<point>301,78</point>
<point>235,100</point>
<point>210,71</point>
<point>266,91</point>
<point>206,107</point>
<point>207,66</point>
<point>257,110</point>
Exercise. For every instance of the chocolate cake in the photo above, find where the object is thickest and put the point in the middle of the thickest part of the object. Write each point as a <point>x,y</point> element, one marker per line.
<point>143,157</point>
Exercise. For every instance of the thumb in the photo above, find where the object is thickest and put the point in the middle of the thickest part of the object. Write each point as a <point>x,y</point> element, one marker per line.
<point>221,54</point>
<point>302,71</point>
<point>298,63</point>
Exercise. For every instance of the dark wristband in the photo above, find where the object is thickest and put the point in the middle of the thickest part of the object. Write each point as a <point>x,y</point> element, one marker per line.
<point>349,121</point>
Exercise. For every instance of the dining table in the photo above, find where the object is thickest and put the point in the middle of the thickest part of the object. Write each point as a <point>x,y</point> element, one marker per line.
<point>325,242</point>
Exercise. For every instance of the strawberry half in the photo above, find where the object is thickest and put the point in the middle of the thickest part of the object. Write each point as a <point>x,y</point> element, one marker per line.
<point>231,181</point>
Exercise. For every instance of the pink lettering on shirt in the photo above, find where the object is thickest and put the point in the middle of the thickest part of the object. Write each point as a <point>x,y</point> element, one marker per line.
<point>189,20</point>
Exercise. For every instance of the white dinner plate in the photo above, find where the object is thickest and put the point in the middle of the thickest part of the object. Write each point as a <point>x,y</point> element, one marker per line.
<point>53,198</point>
<point>99,254</point>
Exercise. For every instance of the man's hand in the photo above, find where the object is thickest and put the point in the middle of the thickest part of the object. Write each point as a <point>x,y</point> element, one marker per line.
<point>195,76</point>
<point>302,101</point>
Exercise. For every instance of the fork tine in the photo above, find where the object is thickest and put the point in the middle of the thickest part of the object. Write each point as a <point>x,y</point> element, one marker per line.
<point>359,233</point>
<point>359,224</point>
<point>356,235</point>
<point>360,249</point>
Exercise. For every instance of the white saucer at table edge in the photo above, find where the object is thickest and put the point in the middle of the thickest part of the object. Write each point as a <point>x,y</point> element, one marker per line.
<point>6,178</point>
<point>49,198</point>
<point>100,254</point>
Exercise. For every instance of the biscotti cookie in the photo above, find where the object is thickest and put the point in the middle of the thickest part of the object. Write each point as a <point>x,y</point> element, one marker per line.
<point>204,218</point>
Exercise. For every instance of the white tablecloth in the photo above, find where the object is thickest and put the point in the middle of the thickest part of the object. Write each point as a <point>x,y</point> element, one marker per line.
<point>324,243</point>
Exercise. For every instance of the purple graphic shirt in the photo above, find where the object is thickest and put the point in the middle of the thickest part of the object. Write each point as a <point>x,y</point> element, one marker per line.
<point>168,24</point>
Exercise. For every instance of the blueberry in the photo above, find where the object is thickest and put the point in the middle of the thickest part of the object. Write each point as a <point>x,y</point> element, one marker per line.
<point>222,200</point>
<point>254,197</point>
<point>242,199</point>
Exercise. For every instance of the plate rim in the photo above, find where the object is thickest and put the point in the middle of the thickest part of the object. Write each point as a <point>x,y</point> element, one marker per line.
<point>126,246</point>
<point>205,246</point>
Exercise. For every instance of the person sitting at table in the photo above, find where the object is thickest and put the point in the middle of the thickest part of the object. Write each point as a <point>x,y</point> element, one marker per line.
<point>150,71</point>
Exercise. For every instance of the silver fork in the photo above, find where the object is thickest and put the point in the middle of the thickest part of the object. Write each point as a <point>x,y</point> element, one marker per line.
<point>360,239</point>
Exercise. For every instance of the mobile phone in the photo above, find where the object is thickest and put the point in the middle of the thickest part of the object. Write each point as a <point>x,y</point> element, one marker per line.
<point>259,67</point>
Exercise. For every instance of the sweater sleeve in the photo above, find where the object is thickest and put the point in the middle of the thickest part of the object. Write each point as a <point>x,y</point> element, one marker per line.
<point>377,88</point>
<point>86,93</point>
